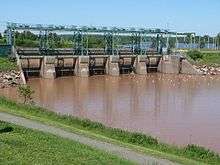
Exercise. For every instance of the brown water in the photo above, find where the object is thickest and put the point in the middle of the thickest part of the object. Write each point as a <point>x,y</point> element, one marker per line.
<point>178,109</point>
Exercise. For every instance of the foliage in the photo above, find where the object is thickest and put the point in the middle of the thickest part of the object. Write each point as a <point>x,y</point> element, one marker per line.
<point>6,129</point>
<point>2,39</point>
<point>208,58</point>
<point>7,65</point>
<point>26,93</point>
<point>195,55</point>
<point>26,146</point>
<point>26,43</point>
<point>199,152</point>
<point>137,139</point>
<point>212,59</point>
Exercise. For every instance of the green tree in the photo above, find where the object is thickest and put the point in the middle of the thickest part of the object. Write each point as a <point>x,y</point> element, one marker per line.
<point>26,93</point>
<point>202,42</point>
<point>172,42</point>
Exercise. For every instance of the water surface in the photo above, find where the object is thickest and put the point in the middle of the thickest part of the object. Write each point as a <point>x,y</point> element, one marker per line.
<point>178,109</point>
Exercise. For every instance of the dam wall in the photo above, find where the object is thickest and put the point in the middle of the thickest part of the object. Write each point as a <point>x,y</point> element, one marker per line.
<point>52,66</point>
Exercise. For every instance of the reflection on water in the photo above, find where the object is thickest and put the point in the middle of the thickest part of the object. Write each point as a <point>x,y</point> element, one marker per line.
<point>178,109</point>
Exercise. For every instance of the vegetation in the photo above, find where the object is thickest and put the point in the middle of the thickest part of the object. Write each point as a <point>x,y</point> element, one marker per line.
<point>195,55</point>
<point>29,39</point>
<point>2,39</point>
<point>26,93</point>
<point>205,58</point>
<point>211,59</point>
<point>26,146</point>
<point>7,65</point>
<point>187,155</point>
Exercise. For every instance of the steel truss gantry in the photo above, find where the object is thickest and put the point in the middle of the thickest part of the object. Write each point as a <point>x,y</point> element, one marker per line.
<point>111,36</point>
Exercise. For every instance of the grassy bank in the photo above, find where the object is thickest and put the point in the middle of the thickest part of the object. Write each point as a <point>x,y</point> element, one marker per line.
<point>7,65</point>
<point>205,58</point>
<point>26,146</point>
<point>190,154</point>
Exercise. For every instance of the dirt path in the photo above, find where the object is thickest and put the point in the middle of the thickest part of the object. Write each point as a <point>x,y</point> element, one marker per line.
<point>111,148</point>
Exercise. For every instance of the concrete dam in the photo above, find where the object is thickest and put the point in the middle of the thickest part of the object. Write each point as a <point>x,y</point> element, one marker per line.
<point>123,51</point>
<point>64,62</point>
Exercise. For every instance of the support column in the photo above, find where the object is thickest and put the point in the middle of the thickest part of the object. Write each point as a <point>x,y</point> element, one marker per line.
<point>112,67</point>
<point>48,67</point>
<point>169,64</point>
<point>140,65</point>
<point>82,66</point>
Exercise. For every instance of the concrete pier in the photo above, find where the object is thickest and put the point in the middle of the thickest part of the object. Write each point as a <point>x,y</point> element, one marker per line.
<point>48,67</point>
<point>169,64</point>
<point>82,66</point>
<point>112,66</point>
<point>140,65</point>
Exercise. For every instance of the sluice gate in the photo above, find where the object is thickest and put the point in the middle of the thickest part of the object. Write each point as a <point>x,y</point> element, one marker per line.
<point>97,65</point>
<point>63,62</point>
<point>65,66</point>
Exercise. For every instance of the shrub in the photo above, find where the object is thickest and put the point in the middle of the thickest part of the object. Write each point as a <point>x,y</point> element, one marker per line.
<point>199,152</point>
<point>6,129</point>
<point>26,92</point>
<point>195,55</point>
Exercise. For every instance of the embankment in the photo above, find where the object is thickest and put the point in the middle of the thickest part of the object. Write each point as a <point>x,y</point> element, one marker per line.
<point>10,75</point>
<point>206,62</point>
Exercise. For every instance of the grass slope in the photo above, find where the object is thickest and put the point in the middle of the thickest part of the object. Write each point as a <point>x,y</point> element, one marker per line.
<point>190,154</point>
<point>205,58</point>
<point>211,58</point>
<point>26,146</point>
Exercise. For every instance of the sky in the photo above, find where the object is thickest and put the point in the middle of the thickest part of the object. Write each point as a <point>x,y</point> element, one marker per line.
<point>200,16</point>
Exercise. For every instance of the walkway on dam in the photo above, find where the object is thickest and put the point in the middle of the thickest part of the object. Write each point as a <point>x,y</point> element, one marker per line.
<point>108,147</point>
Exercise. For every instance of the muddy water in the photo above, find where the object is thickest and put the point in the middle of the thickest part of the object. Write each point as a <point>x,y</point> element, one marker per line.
<point>177,109</point>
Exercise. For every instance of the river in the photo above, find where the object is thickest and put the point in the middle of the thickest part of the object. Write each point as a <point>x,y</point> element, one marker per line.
<point>177,109</point>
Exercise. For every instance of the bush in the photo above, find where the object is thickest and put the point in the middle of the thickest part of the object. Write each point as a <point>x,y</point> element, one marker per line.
<point>26,92</point>
<point>195,55</point>
<point>6,129</point>
<point>199,152</point>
